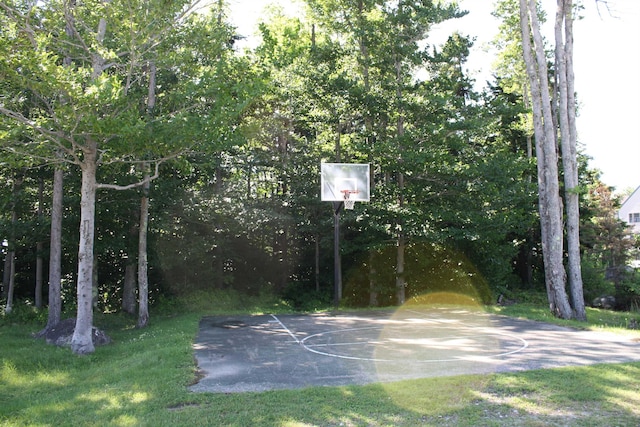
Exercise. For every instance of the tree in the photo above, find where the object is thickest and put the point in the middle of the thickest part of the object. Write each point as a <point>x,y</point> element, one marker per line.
<point>54,313</point>
<point>10,264</point>
<point>606,240</point>
<point>82,112</point>
<point>385,41</point>
<point>551,217</point>
<point>143,276</point>
<point>565,93</point>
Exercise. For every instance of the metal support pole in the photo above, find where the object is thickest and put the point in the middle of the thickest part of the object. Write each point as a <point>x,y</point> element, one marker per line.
<point>337,262</point>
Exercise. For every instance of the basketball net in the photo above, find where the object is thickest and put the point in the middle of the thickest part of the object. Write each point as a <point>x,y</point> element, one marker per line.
<point>348,203</point>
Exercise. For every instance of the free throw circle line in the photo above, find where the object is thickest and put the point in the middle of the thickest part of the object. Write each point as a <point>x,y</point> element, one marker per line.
<point>341,356</point>
<point>524,342</point>
<point>313,348</point>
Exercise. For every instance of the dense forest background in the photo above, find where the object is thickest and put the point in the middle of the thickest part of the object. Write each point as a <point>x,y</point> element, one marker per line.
<point>241,136</point>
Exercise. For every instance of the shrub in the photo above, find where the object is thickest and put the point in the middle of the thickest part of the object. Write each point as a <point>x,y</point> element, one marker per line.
<point>593,282</point>
<point>305,298</point>
<point>628,292</point>
<point>23,311</point>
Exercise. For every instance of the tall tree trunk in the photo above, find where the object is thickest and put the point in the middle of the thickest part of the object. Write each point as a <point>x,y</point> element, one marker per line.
<point>12,246</point>
<point>218,252</point>
<point>548,185</point>
<point>39,248</point>
<point>283,243</point>
<point>129,288</point>
<point>400,278</point>
<point>317,261</point>
<point>143,228</point>
<point>143,279</point>
<point>11,285</point>
<point>373,285</point>
<point>55,252</point>
<point>130,268</point>
<point>364,61</point>
<point>55,239</point>
<point>94,281</point>
<point>528,258</point>
<point>81,342</point>
<point>566,104</point>
<point>6,272</point>
<point>11,264</point>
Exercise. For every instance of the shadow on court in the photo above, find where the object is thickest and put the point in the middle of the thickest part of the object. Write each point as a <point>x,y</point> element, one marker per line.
<point>267,352</point>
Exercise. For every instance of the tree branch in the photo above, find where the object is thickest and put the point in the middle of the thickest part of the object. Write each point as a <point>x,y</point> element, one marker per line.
<point>52,135</point>
<point>16,16</point>
<point>142,182</point>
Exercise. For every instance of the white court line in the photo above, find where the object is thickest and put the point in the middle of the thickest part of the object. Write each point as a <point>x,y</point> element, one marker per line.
<point>286,329</point>
<point>525,343</point>
<point>313,347</point>
<point>339,356</point>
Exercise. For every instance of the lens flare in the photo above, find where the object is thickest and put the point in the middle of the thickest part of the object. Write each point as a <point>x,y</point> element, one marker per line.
<point>438,333</point>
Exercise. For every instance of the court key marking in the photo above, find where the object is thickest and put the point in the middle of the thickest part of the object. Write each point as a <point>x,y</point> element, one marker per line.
<point>314,348</point>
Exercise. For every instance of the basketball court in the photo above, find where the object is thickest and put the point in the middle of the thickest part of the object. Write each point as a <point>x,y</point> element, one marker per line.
<point>267,352</point>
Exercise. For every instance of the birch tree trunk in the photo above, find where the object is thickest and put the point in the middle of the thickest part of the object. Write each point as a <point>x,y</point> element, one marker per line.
<point>550,205</point>
<point>143,279</point>
<point>568,136</point>
<point>11,255</point>
<point>82,342</point>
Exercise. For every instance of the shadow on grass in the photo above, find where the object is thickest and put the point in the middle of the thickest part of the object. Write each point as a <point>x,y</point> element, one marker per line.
<point>142,379</point>
<point>120,384</point>
<point>597,395</point>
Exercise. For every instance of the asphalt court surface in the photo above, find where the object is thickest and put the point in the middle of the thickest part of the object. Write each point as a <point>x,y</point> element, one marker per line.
<point>267,352</point>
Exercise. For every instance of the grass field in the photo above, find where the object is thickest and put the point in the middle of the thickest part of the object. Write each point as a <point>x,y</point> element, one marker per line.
<point>141,379</point>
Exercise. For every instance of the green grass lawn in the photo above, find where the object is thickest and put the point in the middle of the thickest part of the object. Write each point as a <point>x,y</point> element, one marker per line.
<point>142,379</point>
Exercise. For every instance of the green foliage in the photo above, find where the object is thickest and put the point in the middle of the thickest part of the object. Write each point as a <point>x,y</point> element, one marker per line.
<point>628,290</point>
<point>535,307</point>
<point>238,210</point>
<point>304,298</point>
<point>23,312</point>
<point>219,301</point>
<point>594,283</point>
<point>608,248</point>
<point>430,268</point>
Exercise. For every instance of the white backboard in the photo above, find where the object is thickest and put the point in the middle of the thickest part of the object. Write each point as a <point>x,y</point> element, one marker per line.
<point>336,177</point>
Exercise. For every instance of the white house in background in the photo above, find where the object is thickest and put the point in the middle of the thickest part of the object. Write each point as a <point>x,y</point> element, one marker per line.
<point>630,211</point>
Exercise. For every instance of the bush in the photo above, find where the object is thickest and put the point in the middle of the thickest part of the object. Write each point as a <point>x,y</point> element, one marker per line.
<point>593,282</point>
<point>628,295</point>
<point>305,298</point>
<point>23,311</point>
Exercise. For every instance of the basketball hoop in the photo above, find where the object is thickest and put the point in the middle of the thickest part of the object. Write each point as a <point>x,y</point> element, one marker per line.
<point>349,203</point>
<point>353,181</point>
